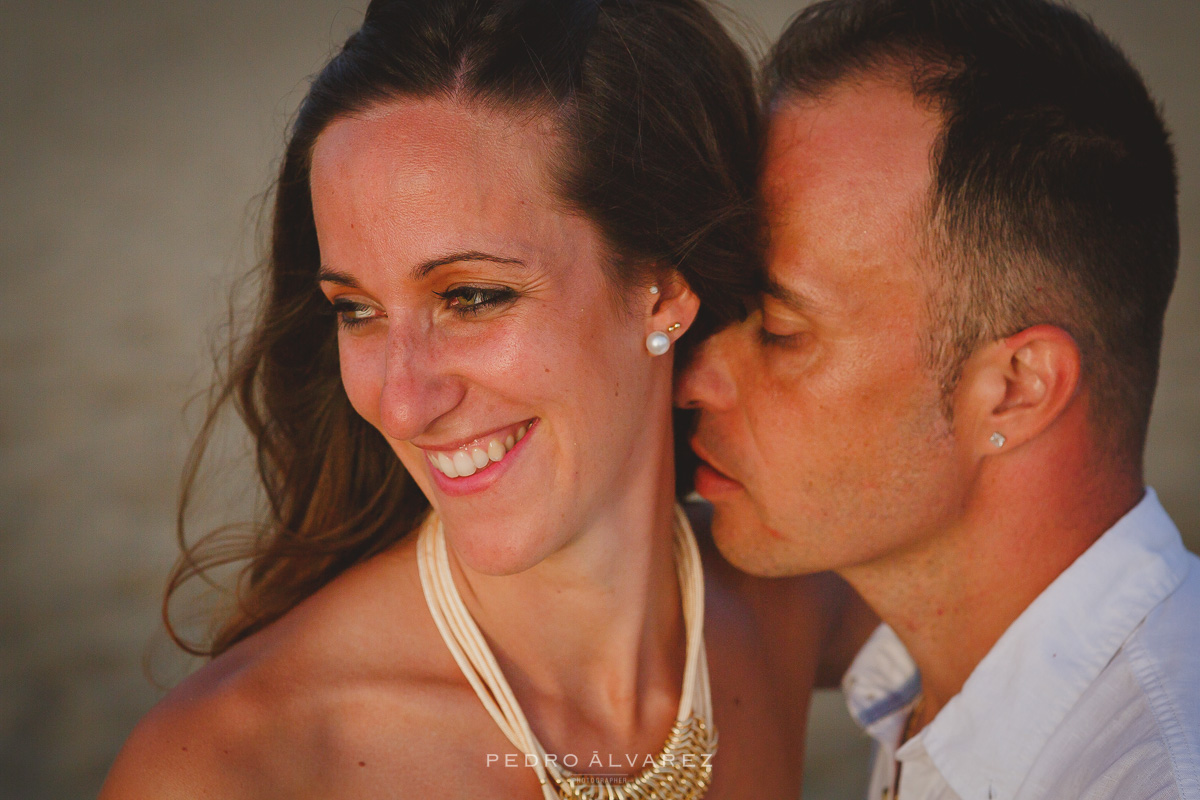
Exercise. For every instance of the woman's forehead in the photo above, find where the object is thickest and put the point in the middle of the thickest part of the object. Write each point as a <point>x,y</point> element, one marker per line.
<point>418,178</point>
<point>436,145</point>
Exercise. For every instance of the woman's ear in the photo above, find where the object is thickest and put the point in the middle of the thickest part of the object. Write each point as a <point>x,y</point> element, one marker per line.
<point>672,306</point>
<point>1013,389</point>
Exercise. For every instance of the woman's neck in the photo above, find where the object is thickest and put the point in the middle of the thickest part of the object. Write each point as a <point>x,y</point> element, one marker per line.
<point>595,631</point>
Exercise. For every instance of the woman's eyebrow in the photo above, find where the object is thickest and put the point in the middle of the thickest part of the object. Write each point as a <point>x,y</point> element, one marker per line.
<point>422,270</point>
<point>328,274</point>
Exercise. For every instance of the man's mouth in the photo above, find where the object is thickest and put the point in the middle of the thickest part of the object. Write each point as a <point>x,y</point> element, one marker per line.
<point>717,472</point>
<point>711,481</point>
<point>464,460</point>
<point>706,459</point>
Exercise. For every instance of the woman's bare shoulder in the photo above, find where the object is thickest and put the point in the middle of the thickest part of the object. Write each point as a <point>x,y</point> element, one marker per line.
<point>277,714</point>
<point>212,735</point>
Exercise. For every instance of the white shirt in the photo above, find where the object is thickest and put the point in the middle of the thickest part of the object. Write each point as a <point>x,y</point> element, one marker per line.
<point>1093,692</point>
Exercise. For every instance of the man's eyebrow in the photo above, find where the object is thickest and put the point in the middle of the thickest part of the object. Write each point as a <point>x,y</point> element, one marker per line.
<point>330,275</point>
<point>788,297</point>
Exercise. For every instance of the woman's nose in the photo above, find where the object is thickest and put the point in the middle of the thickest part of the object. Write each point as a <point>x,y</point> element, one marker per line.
<point>419,385</point>
<point>707,381</point>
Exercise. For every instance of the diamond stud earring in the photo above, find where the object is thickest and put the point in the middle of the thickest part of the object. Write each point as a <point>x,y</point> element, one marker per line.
<point>998,439</point>
<point>658,343</point>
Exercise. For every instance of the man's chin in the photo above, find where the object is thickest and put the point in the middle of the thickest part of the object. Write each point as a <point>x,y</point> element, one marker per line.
<point>748,544</point>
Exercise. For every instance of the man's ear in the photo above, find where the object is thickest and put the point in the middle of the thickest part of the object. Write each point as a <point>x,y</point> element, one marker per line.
<point>1013,389</point>
<point>673,308</point>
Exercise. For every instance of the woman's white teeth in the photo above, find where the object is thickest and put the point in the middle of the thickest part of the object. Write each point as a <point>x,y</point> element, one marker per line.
<point>462,463</point>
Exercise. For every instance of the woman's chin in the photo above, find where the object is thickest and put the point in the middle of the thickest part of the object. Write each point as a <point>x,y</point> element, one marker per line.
<point>498,549</point>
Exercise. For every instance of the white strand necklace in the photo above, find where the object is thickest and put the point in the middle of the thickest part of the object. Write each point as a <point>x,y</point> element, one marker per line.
<point>683,768</point>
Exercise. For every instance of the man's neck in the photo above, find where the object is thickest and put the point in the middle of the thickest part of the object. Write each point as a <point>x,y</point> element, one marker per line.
<point>952,596</point>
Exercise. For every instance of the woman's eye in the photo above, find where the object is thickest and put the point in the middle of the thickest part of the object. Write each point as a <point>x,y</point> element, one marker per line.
<point>475,298</point>
<point>471,300</point>
<point>352,314</point>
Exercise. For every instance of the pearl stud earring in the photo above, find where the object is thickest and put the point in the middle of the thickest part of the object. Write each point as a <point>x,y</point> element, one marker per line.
<point>998,439</point>
<point>654,289</point>
<point>658,343</point>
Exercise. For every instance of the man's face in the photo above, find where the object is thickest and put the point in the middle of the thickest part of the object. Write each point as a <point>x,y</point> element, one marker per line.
<point>820,425</point>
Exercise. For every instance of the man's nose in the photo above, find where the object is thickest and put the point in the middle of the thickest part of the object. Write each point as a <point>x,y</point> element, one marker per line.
<point>420,383</point>
<point>707,381</point>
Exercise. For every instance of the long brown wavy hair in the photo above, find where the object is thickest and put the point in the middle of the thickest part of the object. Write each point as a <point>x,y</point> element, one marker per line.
<point>658,107</point>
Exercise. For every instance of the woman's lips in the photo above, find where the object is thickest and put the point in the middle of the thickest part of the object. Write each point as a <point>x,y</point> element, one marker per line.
<point>472,468</point>
<point>465,460</point>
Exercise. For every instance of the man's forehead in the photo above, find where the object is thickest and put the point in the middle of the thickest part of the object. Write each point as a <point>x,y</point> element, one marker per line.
<point>845,178</point>
<point>861,129</point>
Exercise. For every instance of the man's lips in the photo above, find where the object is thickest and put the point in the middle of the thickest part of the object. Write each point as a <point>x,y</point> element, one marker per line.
<point>702,454</point>
<point>711,481</point>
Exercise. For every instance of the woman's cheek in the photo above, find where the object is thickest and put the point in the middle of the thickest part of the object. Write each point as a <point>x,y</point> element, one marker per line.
<point>362,377</point>
<point>516,359</point>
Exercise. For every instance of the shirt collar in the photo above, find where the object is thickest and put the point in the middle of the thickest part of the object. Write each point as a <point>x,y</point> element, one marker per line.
<point>988,736</point>
<point>881,682</point>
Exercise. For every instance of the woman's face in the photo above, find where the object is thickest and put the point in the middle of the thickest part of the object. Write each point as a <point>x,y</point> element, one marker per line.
<point>478,330</point>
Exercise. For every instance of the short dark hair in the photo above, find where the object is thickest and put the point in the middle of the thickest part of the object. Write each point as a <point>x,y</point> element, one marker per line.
<point>1054,182</point>
<point>657,107</point>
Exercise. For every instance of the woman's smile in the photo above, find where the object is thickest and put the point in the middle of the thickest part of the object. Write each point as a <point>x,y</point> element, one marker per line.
<point>475,465</point>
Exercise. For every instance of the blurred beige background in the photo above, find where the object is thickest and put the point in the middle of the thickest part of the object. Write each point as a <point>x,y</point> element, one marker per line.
<point>135,141</point>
